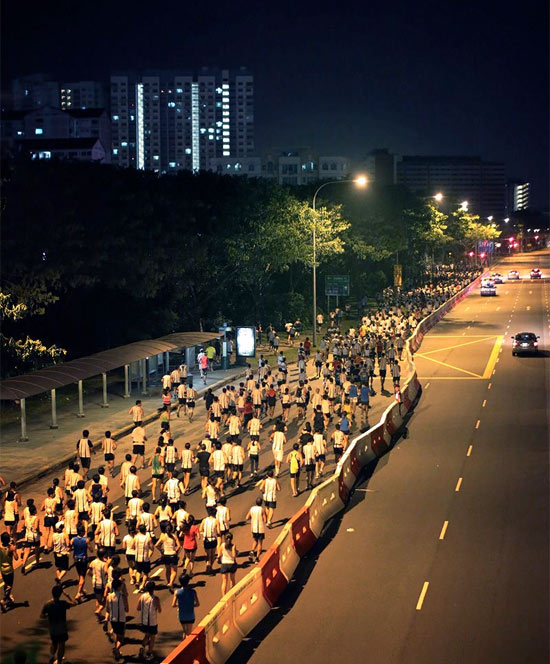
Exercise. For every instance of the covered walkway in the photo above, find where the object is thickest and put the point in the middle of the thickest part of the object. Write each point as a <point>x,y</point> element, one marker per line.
<point>139,359</point>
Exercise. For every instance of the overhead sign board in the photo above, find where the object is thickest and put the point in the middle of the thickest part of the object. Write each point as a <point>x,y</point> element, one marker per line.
<point>337,284</point>
<point>245,339</point>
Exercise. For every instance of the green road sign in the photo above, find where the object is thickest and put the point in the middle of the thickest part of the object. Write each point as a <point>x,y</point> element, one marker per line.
<point>337,284</point>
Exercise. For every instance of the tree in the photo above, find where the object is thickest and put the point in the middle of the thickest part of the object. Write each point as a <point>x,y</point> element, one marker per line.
<point>20,355</point>
<point>466,230</point>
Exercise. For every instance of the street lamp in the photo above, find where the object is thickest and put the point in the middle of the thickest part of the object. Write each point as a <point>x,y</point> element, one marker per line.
<point>439,197</point>
<point>360,181</point>
<point>506,220</point>
<point>490,217</point>
<point>464,206</point>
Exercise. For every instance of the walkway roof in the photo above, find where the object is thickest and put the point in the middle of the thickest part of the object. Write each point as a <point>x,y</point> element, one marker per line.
<point>44,380</point>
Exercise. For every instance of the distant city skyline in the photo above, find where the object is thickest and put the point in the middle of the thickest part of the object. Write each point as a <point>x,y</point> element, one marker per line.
<point>470,81</point>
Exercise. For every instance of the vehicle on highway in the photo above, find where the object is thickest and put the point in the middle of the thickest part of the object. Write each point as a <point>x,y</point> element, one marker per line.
<point>497,278</point>
<point>536,273</point>
<point>513,275</point>
<point>525,342</point>
<point>488,287</point>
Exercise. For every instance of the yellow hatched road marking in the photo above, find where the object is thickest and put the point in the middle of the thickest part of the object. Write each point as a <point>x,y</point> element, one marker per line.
<point>466,343</point>
<point>493,357</point>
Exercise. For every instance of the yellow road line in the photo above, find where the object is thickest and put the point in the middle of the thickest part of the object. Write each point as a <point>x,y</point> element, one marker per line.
<point>466,343</point>
<point>484,403</point>
<point>450,366</point>
<point>451,377</point>
<point>443,530</point>
<point>489,386</point>
<point>458,484</point>
<point>477,424</point>
<point>422,595</point>
<point>493,357</point>
<point>469,452</point>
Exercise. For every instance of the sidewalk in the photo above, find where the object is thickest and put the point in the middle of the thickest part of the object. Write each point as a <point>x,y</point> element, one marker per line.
<point>48,448</point>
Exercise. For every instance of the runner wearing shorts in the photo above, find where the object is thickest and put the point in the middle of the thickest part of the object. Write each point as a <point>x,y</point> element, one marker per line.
<point>258,518</point>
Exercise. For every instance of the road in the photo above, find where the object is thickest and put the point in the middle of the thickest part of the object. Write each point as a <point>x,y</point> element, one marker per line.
<point>22,627</point>
<point>443,554</point>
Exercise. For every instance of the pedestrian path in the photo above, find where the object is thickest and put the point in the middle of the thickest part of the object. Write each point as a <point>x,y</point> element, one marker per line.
<point>23,461</point>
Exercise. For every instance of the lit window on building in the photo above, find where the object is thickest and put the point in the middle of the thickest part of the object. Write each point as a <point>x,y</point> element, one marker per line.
<point>38,131</point>
<point>115,118</point>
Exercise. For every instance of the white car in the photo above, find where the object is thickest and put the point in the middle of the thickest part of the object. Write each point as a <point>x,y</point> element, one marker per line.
<point>513,275</point>
<point>488,287</point>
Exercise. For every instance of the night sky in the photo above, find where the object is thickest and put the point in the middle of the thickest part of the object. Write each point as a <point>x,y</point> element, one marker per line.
<point>416,77</point>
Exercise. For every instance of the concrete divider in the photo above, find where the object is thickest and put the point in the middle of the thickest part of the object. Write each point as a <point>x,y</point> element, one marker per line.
<point>240,610</point>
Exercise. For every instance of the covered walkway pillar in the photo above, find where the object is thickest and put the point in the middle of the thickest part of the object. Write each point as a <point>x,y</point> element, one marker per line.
<point>167,362</point>
<point>127,386</point>
<point>80,400</point>
<point>105,403</point>
<point>53,425</point>
<point>144,377</point>
<point>23,421</point>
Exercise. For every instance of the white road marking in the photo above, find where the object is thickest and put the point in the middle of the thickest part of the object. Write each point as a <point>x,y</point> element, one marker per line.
<point>484,404</point>
<point>469,452</point>
<point>443,530</point>
<point>528,308</point>
<point>427,385</point>
<point>422,595</point>
<point>478,423</point>
<point>458,485</point>
<point>489,386</point>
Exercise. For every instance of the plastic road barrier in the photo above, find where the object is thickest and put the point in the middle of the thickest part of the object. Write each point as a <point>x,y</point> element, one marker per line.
<point>303,536</point>
<point>190,651</point>
<point>288,558</point>
<point>274,581</point>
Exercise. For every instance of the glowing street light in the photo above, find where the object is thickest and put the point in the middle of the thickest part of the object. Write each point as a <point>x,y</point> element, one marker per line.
<point>439,197</point>
<point>464,206</point>
<point>360,181</point>
<point>506,220</point>
<point>490,217</point>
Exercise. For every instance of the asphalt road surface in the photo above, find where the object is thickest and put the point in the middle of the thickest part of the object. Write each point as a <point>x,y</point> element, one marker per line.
<point>22,626</point>
<point>443,554</point>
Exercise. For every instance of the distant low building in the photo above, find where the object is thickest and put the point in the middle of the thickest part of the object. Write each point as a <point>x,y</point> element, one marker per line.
<point>302,166</point>
<point>249,166</point>
<point>48,123</point>
<point>77,149</point>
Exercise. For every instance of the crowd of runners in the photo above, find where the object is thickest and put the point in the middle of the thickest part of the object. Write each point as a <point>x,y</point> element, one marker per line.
<point>326,399</point>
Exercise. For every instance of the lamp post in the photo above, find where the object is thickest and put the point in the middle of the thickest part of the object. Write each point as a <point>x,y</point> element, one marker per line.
<point>360,181</point>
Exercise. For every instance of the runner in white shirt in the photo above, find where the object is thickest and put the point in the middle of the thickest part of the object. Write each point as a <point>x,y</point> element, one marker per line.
<point>182,399</point>
<point>148,607</point>
<point>218,461</point>
<point>187,459</point>
<point>258,518</point>
<point>269,486</point>
<point>209,530</point>
<point>98,571</point>
<point>237,461</point>
<point>320,448</point>
<point>144,548</point>
<point>308,452</point>
<point>106,533</point>
<point>278,440</point>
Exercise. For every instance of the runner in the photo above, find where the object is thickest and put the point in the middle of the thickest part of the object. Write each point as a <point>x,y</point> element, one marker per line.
<point>237,462</point>
<point>187,459</point>
<point>254,454</point>
<point>11,513</point>
<point>157,472</point>
<point>182,399</point>
<point>308,452</point>
<point>106,533</point>
<point>31,538</point>
<point>185,599</point>
<point>138,445</point>
<point>227,556</point>
<point>269,486</point>
<point>116,606</point>
<point>320,447</point>
<point>84,449</point>
<point>203,459</point>
<point>209,530</point>
<point>258,518</point>
<point>190,535</point>
<point>137,414</point>
<point>109,446</point>
<point>56,612</point>
<point>98,571</point>
<point>129,546</point>
<point>80,545</point>
<point>169,546</point>
<point>131,484</point>
<point>144,548</point>
<point>149,607</point>
<point>191,398</point>
<point>295,461</point>
<point>278,441</point>
<point>8,553</point>
<point>170,456</point>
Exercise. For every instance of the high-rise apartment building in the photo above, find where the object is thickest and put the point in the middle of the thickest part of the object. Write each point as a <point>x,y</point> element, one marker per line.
<point>481,183</point>
<point>166,121</point>
<point>517,196</point>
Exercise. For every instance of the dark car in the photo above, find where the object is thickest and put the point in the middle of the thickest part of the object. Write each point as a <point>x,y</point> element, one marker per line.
<point>536,273</point>
<point>525,342</point>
